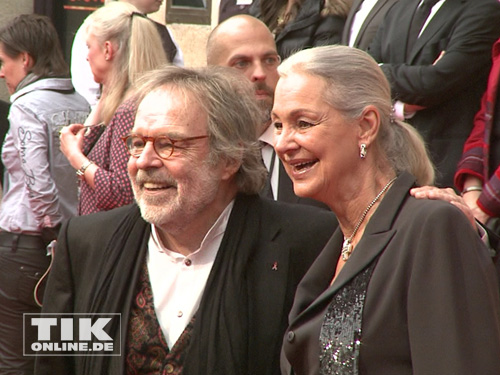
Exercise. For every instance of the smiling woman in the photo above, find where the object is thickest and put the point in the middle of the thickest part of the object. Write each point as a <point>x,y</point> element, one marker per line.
<point>365,305</point>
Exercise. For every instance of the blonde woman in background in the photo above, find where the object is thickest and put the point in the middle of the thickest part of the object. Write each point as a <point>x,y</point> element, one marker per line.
<point>122,44</point>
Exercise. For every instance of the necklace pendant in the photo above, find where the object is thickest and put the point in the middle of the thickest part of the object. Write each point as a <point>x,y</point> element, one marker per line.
<point>346,249</point>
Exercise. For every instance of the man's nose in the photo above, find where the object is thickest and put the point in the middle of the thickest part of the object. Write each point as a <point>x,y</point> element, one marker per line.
<point>148,157</point>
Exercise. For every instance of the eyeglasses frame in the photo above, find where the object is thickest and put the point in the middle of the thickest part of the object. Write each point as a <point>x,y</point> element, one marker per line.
<point>153,139</point>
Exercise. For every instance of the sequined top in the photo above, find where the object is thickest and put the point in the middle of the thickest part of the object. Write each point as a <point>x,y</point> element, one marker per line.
<point>340,336</point>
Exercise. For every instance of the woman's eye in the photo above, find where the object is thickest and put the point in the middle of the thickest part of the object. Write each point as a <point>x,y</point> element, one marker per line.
<point>277,125</point>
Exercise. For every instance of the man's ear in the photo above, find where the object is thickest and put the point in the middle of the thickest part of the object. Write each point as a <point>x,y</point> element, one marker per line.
<point>369,125</point>
<point>229,168</point>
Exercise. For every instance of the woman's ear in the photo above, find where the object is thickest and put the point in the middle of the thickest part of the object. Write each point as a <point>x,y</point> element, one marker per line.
<point>109,50</point>
<point>28,61</point>
<point>369,125</point>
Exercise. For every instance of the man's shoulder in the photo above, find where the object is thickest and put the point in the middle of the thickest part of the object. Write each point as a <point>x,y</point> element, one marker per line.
<point>104,221</point>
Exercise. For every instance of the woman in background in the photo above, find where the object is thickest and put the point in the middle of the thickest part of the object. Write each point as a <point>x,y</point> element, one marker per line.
<point>300,24</point>
<point>404,286</point>
<point>122,44</point>
<point>40,189</point>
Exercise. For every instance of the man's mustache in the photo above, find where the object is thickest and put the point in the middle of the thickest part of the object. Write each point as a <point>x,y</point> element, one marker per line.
<point>261,86</point>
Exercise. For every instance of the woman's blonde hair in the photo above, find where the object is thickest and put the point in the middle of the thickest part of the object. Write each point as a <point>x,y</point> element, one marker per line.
<point>353,81</point>
<point>138,49</point>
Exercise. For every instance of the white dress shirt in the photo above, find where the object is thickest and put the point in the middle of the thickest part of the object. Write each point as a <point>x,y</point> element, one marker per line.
<point>178,281</point>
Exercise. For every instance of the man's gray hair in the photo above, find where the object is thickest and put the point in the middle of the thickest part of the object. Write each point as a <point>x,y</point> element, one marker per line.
<point>232,110</point>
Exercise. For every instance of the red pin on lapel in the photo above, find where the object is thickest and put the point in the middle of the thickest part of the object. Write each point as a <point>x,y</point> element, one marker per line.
<point>275,266</point>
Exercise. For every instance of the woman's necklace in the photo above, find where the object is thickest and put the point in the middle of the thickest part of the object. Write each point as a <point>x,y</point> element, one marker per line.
<point>347,245</point>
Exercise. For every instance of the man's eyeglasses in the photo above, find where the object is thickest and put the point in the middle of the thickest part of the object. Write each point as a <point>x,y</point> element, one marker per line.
<point>163,145</point>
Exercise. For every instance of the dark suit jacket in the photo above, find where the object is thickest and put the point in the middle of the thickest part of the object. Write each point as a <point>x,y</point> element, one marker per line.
<point>370,25</point>
<point>288,236</point>
<point>432,304</point>
<point>451,88</point>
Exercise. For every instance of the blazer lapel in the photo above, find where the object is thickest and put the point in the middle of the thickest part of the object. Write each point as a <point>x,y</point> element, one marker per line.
<point>366,252</point>
<point>371,15</point>
<point>401,28</point>
<point>268,274</point>
<point>378,234</point>
<point>448,11</point>
<point>348,22</point>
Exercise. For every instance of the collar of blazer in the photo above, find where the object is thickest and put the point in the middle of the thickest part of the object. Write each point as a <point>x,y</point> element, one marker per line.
<point>448,13</point>
<point>377,234</point>
<point>379,5</point>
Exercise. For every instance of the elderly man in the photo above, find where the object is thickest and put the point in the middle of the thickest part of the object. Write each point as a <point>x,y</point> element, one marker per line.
<point>202,270</point>
<point>245,43</point>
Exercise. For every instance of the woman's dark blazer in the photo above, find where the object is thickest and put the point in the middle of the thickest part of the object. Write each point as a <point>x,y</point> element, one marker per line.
<point>432,303</point>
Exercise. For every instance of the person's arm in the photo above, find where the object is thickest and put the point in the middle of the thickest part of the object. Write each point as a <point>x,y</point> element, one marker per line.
<point>473,188</point>
<point>113,184</point>
<point>473,158</point>
<point>468,53</point>
<point>452,297</point>
<point>490,239</point>
<point>31,141</point>
<point>72,139</point>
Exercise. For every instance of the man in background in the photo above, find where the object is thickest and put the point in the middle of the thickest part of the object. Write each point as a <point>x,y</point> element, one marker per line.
<point>436,56</point>
<point>245,43</point>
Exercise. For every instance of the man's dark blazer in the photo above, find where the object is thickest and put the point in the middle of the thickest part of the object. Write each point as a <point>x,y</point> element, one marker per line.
<point>370,25</point>
<point>284,241</point>
<point>463,32</point>
<point>432,303</point>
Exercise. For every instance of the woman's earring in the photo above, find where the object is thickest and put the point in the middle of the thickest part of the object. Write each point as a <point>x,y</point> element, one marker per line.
<point>362,151</point>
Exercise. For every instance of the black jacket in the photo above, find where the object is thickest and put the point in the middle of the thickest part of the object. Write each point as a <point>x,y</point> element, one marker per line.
<point>308,29</point>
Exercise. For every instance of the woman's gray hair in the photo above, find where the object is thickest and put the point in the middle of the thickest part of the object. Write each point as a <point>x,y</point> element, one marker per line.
<point>233,115</point>
<point>353,81</point>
